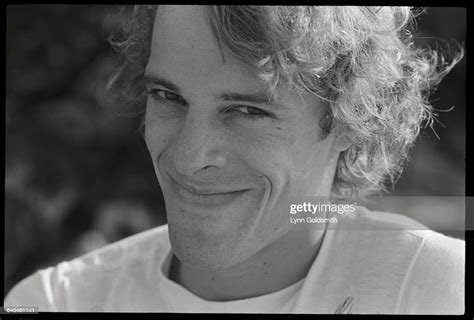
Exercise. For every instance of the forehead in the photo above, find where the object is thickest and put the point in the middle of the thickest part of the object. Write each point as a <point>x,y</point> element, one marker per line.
<point>183,27</point>
<point>185,51</point>
<point>183,44</point>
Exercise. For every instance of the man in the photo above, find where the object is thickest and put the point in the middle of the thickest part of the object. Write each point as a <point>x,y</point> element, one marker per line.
<point>246,110</point>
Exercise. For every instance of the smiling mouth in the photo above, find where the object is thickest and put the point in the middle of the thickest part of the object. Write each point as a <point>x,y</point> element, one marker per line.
<point>204,197</point>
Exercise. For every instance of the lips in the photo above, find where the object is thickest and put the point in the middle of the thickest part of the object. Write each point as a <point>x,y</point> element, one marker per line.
<point>206,197</point>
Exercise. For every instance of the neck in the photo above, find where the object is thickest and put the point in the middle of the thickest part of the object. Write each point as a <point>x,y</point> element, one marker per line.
<point>275,267</point>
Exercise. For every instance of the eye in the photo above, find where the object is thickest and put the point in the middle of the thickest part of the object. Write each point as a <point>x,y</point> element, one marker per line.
<point>251,112</point>
<point>164,95</point>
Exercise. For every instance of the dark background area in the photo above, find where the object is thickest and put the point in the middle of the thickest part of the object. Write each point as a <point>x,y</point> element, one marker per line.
<point>77,173</point>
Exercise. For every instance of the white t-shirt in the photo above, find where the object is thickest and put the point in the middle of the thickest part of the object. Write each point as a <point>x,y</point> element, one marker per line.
<point>369,262</point>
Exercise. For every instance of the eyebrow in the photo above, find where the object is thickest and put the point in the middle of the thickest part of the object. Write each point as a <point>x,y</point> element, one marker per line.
<point>259,97</point>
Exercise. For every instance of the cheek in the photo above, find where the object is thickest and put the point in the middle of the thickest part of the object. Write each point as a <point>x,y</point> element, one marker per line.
<point>296,162</point>
<point>270,156</point>
<point>158,133</point>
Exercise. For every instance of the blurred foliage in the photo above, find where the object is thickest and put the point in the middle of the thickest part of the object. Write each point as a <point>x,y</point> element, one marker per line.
<point>78,175</point>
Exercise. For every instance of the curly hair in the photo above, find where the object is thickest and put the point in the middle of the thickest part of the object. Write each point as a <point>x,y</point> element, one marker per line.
<point>362,60</point>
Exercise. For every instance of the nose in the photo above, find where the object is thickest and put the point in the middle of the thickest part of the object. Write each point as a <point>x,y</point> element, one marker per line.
<point>199,144</point>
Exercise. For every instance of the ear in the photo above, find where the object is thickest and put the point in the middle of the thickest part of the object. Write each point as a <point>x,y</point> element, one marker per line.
<point>341,142</point>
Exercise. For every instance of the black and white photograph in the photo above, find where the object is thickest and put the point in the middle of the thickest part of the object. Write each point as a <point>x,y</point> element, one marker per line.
<point>235,159</point>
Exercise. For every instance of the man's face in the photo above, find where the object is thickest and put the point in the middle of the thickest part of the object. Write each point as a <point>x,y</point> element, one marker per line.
<point>227,160</point>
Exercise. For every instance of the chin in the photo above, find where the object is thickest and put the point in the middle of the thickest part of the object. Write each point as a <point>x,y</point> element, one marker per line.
<point>203,252</point>
<point>198,257</point>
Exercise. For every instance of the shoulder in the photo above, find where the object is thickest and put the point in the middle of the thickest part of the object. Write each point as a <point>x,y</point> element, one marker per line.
<point>384,237</point>
<point>436,281</point>
<point>424,267</point>
<point>32,291</point>
<point>433,253</point>
<point>62,287</point>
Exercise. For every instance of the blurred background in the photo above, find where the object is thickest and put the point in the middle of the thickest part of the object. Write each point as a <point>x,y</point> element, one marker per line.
<point>78,176</point>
